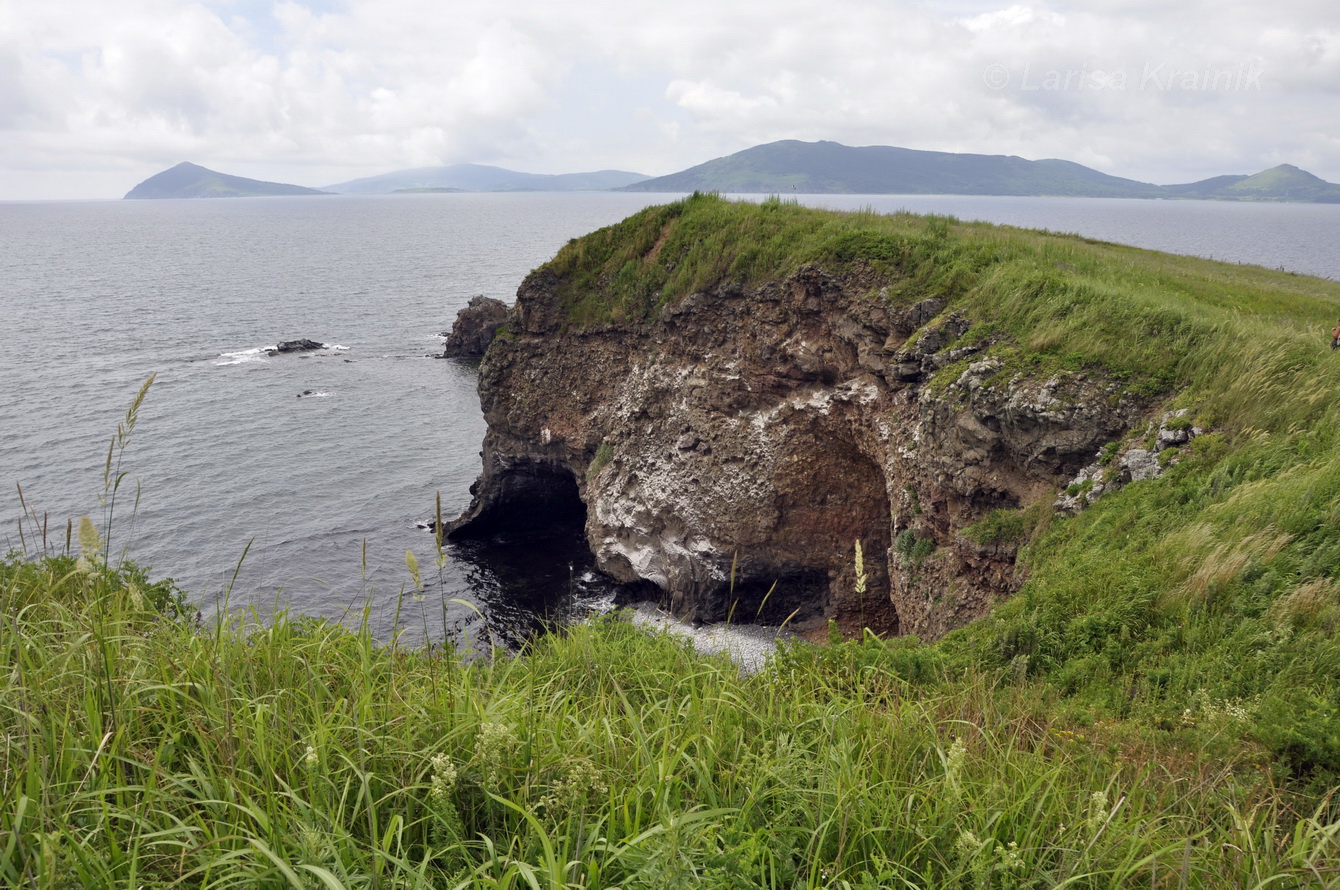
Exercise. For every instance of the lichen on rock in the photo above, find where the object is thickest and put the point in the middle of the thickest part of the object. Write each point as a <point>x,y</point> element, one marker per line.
<point>1121,463</point>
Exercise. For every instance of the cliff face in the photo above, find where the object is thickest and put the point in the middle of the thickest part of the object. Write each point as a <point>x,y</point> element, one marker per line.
<point>734,448</point>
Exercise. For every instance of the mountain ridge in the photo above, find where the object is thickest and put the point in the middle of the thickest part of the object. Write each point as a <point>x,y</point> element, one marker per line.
<point>832,168</point>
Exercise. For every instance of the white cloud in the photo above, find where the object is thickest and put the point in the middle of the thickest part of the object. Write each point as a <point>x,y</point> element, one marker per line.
<point>314,92</point>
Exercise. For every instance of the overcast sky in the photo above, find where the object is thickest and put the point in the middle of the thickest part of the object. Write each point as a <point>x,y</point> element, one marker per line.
<point>97,95</point>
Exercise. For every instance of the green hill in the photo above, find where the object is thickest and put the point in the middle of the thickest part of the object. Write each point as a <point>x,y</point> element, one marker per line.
<point>831,168</point>
<point>1283,183</point>
<point>187,180</point>
<point>828,167</point>
<point>1217,582</point>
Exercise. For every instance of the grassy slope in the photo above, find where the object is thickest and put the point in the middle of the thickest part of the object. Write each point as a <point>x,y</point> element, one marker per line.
<point>142,751</point>
<point>1213,586</point>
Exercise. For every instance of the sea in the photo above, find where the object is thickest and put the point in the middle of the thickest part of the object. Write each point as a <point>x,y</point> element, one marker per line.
<point>300,481</point>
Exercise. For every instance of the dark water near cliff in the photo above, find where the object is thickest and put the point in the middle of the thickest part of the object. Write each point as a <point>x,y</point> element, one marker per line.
<point>324,493</point>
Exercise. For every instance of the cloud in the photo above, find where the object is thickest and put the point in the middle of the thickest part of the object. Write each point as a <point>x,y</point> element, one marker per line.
<point>316,92</point>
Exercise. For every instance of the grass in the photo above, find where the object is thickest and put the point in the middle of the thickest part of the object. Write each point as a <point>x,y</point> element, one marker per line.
<point>142,750</point>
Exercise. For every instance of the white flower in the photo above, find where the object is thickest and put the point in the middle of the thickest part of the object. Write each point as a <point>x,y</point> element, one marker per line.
<point>444,777</point>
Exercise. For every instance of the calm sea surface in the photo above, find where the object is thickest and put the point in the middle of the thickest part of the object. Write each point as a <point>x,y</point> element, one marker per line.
<point>324,492</point>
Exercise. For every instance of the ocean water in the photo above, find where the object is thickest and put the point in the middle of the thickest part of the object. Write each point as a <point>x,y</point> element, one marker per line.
<point>322,492</point>
<point>299,481</point>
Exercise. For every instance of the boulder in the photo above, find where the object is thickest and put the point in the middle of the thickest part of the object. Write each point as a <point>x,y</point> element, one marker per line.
<point>475,327</point>
<point>303,345</point>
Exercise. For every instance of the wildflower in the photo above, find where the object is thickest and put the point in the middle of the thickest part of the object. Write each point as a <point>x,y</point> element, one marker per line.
<point>581,784</point>
<point>953,761</point>
<point>967,844</point>
<point>493,749</point>
<point>1009,858</point>
<point>1097,810</point>
<point>444,777</point>
<point>310,757</point>
<point>90,547</point>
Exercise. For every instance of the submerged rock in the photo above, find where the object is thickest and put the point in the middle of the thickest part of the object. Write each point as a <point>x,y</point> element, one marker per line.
<point>475,327</point>
<point>733,449</point>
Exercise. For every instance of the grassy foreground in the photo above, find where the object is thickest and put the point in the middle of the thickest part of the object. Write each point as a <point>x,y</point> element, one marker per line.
<point>142,750</point>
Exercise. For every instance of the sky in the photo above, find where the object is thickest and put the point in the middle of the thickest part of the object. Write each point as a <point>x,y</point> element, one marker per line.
<point>97,95</point>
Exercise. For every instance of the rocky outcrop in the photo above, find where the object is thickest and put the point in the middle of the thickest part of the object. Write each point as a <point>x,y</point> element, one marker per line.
<point>475,327</point>
<point>733,449</point>
<point>1121,463</point>
<point>303,345</point>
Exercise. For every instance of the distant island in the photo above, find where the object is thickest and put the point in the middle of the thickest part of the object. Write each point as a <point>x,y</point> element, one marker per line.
<point>428,191</point>
<point>783,168</point>
<point>483,178</point>
<point>187,180</point>
<point>832,168</point>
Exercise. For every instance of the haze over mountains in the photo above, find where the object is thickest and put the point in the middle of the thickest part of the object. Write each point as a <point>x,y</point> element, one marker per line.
<point>785,167</point>
<point>483,178</point>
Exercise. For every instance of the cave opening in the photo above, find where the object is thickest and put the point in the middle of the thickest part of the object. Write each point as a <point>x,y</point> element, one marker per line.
<point>536,499</point>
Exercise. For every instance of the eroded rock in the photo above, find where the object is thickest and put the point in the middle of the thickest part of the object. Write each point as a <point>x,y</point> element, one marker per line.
<point>475,327</point>
<point>733,449</point>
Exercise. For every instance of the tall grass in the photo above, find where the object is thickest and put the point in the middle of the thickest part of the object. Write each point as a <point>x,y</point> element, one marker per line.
<point>142,751</point>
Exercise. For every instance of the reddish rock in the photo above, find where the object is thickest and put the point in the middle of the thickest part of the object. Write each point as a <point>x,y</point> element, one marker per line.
<point>732,450</point>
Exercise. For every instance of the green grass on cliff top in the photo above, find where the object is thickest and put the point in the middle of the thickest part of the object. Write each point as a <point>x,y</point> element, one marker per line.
<point>1212,591</point>
<point>1245,339</point>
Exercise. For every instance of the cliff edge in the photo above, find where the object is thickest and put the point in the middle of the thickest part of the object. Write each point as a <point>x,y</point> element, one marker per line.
<point>732,447</point>
<point>732,398</point>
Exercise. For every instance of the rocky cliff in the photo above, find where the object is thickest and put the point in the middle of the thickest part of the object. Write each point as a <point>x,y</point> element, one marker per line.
<point>732,446</point>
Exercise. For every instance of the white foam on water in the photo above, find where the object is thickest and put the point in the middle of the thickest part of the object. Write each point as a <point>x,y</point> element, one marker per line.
<point>243,356</point>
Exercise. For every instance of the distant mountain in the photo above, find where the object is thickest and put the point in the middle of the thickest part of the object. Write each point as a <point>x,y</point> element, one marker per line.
<point>1283,183</point>
<point>829,167</point>
<point>482,178</point>
<point>188,180</point>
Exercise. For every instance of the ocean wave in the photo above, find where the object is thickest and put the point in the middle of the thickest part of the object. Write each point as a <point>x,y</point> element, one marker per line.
<point>262,353</point>
<point>242,356</point>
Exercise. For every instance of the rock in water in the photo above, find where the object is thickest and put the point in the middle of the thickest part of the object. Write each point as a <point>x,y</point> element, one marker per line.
<point>295,346</point>
<point>475,327</point>
<point>733,447</point>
